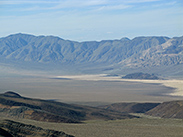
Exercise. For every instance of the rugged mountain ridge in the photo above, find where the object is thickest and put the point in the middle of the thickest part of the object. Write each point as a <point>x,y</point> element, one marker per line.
<point>49,48</point>
<point>140,52</point>
<point>165,54</point>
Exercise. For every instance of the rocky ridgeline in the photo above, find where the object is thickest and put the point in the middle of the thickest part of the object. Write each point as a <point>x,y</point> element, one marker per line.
<point>140,51</point>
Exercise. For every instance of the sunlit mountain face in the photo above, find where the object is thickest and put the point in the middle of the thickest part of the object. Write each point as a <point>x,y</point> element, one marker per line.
<point>109,55</point>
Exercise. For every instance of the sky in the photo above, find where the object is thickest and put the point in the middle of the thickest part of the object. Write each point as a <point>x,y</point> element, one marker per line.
<point>88,20</point>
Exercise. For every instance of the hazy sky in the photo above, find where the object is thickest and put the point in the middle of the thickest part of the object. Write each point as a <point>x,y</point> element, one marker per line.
<point>84,20</point>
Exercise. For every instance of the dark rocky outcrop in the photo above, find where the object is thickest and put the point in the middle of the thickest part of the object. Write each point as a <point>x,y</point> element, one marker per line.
<point>10,128</point>
<point>4,133</point>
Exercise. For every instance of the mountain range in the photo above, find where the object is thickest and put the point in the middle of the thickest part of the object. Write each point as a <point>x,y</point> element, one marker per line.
<point>141,53</point>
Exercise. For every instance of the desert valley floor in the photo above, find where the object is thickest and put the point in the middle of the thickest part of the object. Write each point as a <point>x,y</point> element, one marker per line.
<point>96,89</point>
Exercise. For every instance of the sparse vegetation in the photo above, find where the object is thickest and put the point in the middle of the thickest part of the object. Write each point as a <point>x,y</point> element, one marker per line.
<point>146,126</point>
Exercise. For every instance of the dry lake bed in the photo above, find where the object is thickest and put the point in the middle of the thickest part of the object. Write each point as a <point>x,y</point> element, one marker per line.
<point>93,89</point>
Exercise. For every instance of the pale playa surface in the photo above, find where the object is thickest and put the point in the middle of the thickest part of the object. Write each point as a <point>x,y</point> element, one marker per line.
<point>173,83</point>
<point>177,84</point>
<point>91,89</point>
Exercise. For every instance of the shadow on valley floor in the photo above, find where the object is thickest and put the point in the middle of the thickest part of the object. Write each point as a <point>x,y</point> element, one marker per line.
<point>87,91</point>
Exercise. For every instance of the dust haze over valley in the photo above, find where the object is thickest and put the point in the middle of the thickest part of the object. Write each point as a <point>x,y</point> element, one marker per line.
<point>93,68</point>
<point>49,67</point>
<point>57,83</point>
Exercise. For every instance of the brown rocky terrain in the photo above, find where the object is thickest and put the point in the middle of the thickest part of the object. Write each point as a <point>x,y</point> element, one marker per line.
<point>14,105</point>
<point>130,107</point>
<point>172,109</point>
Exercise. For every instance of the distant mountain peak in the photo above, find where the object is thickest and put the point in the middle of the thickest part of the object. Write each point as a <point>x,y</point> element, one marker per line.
<point>20,35</point>
<point>125,39</point>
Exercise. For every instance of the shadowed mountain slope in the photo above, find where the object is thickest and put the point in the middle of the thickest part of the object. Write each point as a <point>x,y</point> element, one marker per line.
<point>172,109</point>
<point>130,107</point>
<point>52,111</point>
